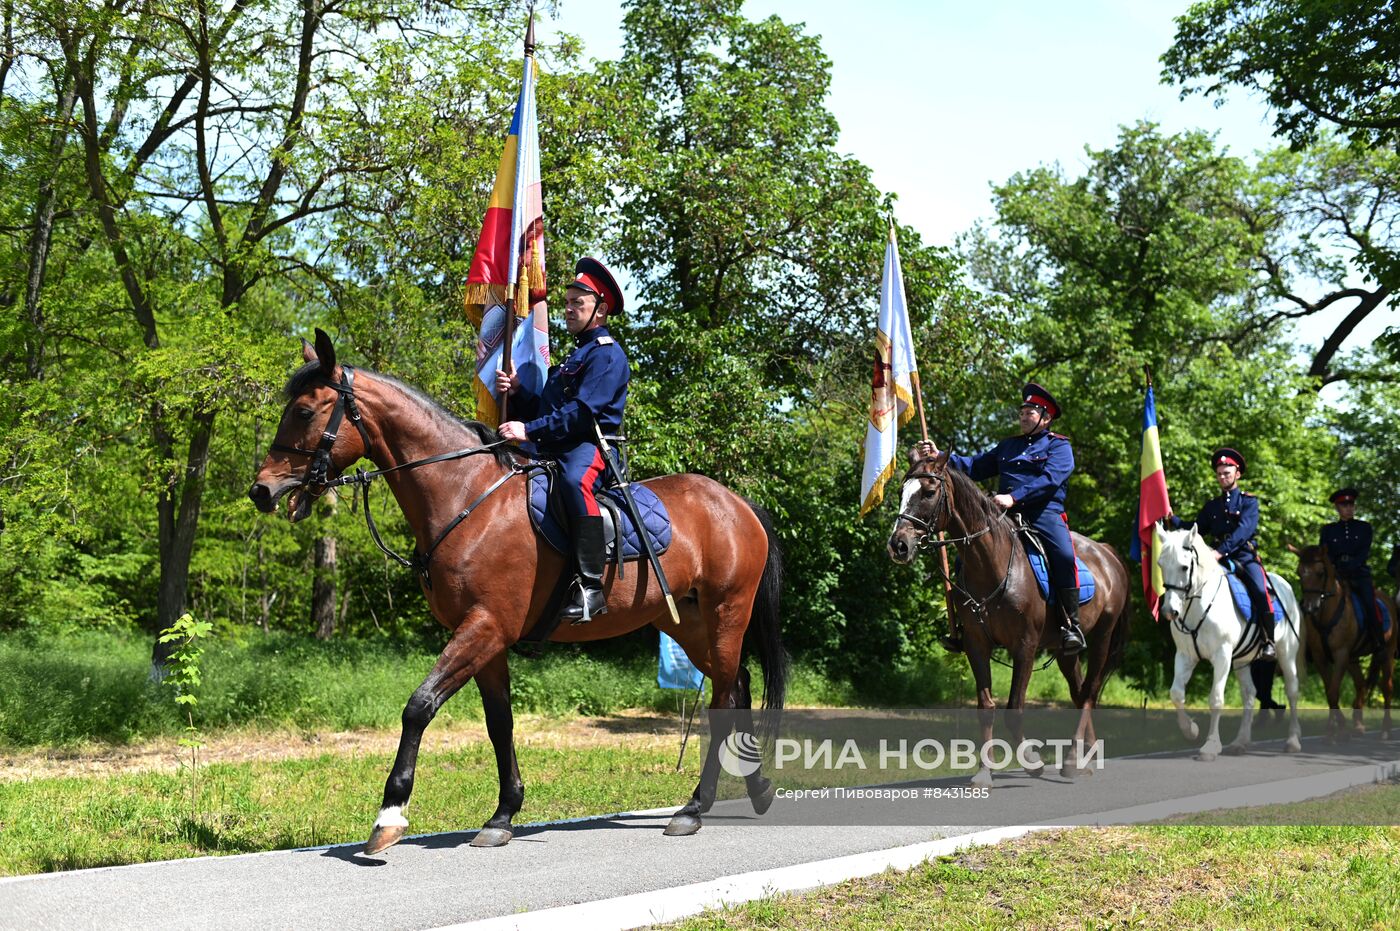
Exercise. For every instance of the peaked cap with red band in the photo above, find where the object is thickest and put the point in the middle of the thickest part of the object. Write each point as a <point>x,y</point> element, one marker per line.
<point>1226,455</point>
<point>593,276</point>
<point>1034,394</point>
<point>1343,496</point>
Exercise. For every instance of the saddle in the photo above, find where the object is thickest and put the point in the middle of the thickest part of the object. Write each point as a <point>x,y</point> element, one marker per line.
<point>547,516</point>
<point>1381,609</point>
<point>1253,634</point>
<point>1035,553</point>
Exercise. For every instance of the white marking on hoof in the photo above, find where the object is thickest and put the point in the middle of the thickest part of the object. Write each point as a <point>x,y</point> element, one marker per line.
<point>1294,745</point>
<point>391,817</point>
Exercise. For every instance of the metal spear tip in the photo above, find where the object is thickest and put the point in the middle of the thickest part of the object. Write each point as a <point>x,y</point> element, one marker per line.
<point>530,33</point>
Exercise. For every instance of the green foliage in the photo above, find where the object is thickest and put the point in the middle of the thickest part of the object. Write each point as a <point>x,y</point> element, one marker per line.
<point>1316,63</point>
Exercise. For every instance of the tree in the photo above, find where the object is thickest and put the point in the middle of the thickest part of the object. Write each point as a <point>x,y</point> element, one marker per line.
<point>1147,260</point>
<point>1317,63</point>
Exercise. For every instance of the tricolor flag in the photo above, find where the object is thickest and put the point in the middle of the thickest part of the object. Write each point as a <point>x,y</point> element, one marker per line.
<point>1153,504</point>
<point>892,385</point>
<point>508,266</point>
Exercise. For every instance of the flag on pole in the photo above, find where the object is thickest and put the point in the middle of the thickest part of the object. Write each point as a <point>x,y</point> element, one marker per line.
<point>674,670</point>
<point>892,385</point>
<point>1153,504</point>
<point>508,267</point>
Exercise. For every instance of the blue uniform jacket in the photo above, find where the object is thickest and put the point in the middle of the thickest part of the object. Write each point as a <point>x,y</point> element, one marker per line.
<point>1230,520</point>
<point>1033,470</point>
<point>590,386</point>
<point>1348,545</point>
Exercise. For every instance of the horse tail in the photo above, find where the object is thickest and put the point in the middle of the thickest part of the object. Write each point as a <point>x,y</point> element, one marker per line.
<point>764,623</point>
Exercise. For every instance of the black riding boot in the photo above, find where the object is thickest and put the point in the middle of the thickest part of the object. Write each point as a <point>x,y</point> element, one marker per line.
<point>1073,637</point>
<point>588,559</point>
<point>1267,652</point>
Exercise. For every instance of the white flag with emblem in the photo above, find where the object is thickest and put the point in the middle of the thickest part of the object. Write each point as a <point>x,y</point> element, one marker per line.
<point>892,382</point>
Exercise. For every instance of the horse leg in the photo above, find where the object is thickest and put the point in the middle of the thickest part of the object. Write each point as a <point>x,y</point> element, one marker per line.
<point>1288,662</point>
<point>1074,677</point>
<point>759,788</point>
<point>1021,669</point>
<point>1220,671</point>
<point>1245,676</point>
<point>986,704</point>
<point>464,655</point>
<point>494,682</point>
<point>1387,658</point>
<point>1360,692</point>
<point>726,624</point>
<point>1332,685</point>
<point>1185,665</point>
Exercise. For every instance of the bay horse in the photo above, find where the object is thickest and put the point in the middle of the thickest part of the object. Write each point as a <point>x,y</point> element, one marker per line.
<point>999,603</point>
<point>488,578</point>
<point>1337,641</point>
<point>1206,625</point>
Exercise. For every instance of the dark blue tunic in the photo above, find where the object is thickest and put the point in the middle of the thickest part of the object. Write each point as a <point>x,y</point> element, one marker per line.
<point>1348,545</point>
<point>589,387</point>
<point>1034,470</point>
<point>1229,522</point>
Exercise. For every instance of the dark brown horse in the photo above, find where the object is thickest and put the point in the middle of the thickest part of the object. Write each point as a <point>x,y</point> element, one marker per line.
<point>998,601</point>
<point>488,578</point>
<point>1336,641</point>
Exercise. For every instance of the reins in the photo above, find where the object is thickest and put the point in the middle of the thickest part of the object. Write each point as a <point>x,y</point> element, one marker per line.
<point>318,474</point>
<point>926,541</point>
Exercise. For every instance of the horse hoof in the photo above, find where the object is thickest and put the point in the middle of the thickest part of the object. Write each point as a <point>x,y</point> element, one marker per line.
<point>492,837</point>
<point>1293,746</point>
<point>384,837</point>
<point>983,780</point>
<point>1037,772</point>
<point>682,826</point>
<point>1075,772</point>
<point>764,799</point>
<point>1206,757</point>
<point>1234,750</point>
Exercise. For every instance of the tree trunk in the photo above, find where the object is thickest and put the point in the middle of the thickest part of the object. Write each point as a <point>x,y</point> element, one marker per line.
<point>323,588</point>
<point>177,531</point>
<point>42,235</point>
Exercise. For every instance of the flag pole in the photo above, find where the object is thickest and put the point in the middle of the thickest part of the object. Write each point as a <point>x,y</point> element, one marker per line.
<point>508,335</point>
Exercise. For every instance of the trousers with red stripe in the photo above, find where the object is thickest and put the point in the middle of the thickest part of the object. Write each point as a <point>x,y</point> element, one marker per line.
<point>1052,526</point>
<point>583,467</point>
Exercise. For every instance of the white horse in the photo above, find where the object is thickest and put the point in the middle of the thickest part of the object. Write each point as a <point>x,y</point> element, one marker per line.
<point>1206,625</point>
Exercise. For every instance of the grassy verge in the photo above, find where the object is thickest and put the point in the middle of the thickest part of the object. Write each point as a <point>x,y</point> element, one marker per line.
<point>1150,877</point>
<point>67,823</point>
<point>93,688</point>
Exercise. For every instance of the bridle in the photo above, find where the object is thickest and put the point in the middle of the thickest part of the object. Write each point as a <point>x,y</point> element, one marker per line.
<point>1191,593</point>
<point>318,473</point>
<point>318,479</point>
<point>943,506</point>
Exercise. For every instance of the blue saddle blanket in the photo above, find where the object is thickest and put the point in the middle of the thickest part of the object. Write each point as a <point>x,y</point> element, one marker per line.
<point>1242,598</point>
<point>1086,578</point>
<point>654,515</point>
<point>1365,615</point>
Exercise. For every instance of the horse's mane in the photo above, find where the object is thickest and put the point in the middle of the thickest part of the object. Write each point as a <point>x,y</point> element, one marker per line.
<point>971,493</point>
<point>310,376</point>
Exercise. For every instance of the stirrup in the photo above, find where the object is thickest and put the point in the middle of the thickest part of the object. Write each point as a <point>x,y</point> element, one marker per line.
<point>951,643</point>
<point>1267,651</point>
<point>1072,640</point>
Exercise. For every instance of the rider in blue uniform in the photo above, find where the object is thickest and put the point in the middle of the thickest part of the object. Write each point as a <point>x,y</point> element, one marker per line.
<point>589,388</point>
<point>1348,544</point>
<point>1033,472</point>
<point>1229,522</point>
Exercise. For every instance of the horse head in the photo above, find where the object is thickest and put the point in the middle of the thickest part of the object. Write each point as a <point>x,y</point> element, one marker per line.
<point>1183,561</point>
<point>1316,576</point>
<point>923,505</point>
<point>310,449</point>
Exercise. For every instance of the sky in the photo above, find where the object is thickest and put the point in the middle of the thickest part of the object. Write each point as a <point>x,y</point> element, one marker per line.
<point>944,99</point>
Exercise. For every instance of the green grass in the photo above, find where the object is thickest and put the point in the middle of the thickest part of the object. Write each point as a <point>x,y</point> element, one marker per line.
<point>66,823</point>
<point>1149,877</point>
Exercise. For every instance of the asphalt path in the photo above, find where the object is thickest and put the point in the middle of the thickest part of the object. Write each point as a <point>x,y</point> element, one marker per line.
<point>437,880</point>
